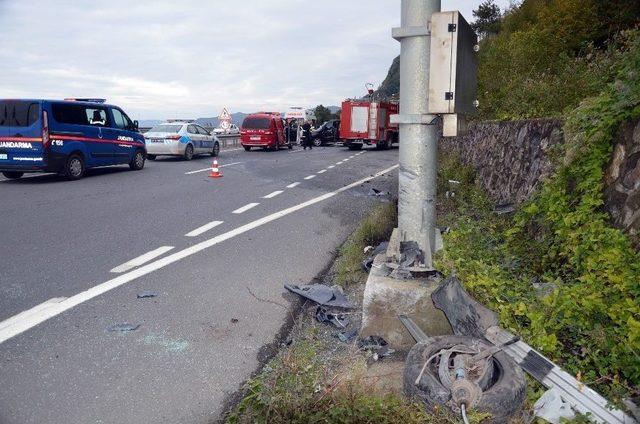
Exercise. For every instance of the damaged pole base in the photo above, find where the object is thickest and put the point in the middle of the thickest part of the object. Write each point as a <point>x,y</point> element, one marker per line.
<point>406,260</point>
<point>386,297</point>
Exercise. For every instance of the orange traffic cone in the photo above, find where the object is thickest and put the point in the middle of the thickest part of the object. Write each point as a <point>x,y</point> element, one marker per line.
<point>215,172</point>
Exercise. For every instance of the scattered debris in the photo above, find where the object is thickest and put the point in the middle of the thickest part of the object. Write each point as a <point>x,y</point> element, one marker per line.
<point>401,273</point>
<point>368,262</point>
<point>454,182</point>
<point>322,295</point>
<point>550,407</point>
<point>146,294</point>
<point>377,346</point>
<point>123,328</point>
<point>368,249</point>
<point>504,209</point>
<point>470,318</point>
<point>347,336</point>
<point>411,254</point>
<point>450,194</point>
<point>325,316</point>
<point>378,193</point>
<point>234,320</point>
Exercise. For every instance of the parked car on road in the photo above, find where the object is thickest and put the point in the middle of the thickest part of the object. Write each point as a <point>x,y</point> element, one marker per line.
<point>233,130</point>
<point>180,138</point>
<point>66,137</point>
<point>263,129</point>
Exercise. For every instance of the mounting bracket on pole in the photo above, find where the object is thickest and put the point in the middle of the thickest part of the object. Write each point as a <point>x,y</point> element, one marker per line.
<point>414,119</point>
<point>411,31</point>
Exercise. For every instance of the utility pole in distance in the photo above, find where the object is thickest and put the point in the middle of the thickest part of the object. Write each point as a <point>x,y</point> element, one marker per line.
<point>418,134</point>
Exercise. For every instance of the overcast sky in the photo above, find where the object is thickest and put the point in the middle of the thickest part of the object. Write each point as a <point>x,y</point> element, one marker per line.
<point>189,58</point>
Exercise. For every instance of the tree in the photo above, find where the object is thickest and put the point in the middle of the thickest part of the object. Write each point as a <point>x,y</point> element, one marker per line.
<point>323,114</point>
<point>488,19</point>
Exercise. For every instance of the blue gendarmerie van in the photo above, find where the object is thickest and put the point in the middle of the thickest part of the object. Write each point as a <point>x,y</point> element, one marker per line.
<point>67,137</point>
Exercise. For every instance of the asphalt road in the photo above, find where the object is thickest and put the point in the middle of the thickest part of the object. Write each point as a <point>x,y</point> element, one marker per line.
<point>65,259</point>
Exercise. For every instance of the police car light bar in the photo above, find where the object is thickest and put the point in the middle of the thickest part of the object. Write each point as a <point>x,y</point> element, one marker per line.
<point>86,100</point>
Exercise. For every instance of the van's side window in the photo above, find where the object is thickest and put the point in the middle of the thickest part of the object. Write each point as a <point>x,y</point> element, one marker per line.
<point>191,129</point>
<point>119,119</point>
<point>79,115</point>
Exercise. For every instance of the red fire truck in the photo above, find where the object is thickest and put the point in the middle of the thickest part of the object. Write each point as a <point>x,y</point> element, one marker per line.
<point>367,122</point>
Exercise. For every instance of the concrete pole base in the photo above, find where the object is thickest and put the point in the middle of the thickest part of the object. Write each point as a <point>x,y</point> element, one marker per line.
<point>385,298</point>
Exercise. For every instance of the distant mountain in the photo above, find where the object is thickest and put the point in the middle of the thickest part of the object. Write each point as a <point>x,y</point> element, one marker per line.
<point>391,84</point>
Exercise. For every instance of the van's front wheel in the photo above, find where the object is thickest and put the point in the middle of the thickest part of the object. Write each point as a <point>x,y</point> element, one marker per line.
<point>13,175</point>
<point>137,163</point>
<point>74,169</point>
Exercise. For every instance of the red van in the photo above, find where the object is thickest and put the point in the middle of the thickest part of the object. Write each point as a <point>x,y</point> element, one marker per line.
<point>263,129</point>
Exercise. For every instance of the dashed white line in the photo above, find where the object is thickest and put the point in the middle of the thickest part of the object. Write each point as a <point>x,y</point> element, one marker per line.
<point>142,259</point>
<point>322,172</point>
<point>204,229</point>
<point>209,169</point>
<point>31,321</point>
<point>340,163</point>
<point>310,177</point>
<point>331,166</point>
<point>272,195</point>
<point>292,185</point>
<point>245,208</point>
<point>346,160</point>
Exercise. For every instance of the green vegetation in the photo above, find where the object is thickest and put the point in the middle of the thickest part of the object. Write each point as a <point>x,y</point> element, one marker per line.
<point>374,229</point>
<point>557,273</point>
<point>548,55</point>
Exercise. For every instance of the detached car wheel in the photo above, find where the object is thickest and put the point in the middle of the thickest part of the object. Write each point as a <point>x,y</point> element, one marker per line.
<point>74,169</point>
<point>137,163</point>
<point>13,175</point>
<point>188,152</point>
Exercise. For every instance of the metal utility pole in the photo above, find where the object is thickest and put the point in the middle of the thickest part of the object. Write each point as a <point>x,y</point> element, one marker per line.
<point>418,136</point>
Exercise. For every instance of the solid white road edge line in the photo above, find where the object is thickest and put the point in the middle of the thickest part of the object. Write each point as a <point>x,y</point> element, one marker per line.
<point>310,177</point>
<point>203,229</point>
<point>142,259</point>
<point>209,169</point>
<point>331,166</point>
<point>322,172</point>
<point>245,208</point>
<point>58,308</point>
<point>274,194</point>
<point>292,185</point>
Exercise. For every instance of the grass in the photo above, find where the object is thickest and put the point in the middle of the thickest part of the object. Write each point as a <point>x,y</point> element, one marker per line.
<point>374,229</point>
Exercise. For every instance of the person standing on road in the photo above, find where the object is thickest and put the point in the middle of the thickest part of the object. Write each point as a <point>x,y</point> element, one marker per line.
<point>306,136</point>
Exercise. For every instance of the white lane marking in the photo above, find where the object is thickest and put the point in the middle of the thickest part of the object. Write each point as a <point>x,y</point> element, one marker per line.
<point>272,195</point>
<point>142,259</point>
<point>25,314</point>
<point>331,166</point>
<point>322,172</point>
<point>292,185</point>
<point>209,169</point>
<point>203,229</point>
<point>231,150</point>
<point>58,308</point>
<point>339,163</point>
<point>346,160</point>
<point>310,177</point>
<point>297,151</point>
<point>245,208</point>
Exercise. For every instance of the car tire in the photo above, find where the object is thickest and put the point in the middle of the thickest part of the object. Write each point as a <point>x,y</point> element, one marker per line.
<point>151,157</point>
<point>317,142</point>
<point>74,168</point>
<point>247,148</point>
<point>13,175</point>
<point>355,146</point>
<point>290,146</point>
<point>502,400</point>
<point>188,152</point>
<point>216,149</point>
<point>137,162</point>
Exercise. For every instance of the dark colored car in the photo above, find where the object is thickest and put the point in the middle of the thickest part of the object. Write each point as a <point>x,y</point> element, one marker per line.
<point>327,133</point>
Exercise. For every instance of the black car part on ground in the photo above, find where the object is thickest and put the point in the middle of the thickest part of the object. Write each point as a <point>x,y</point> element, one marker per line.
<point>322,295</point>
<point>470,318</point>
<point>452,371</point>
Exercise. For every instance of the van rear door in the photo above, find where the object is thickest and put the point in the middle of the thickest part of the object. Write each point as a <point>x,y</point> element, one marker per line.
<point>21,135</point>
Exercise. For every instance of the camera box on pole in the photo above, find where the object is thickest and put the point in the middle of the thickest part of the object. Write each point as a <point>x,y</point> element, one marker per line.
<point>452,69</point>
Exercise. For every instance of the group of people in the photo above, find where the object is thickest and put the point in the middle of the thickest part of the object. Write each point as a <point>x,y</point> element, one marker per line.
<point>295,132</point>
